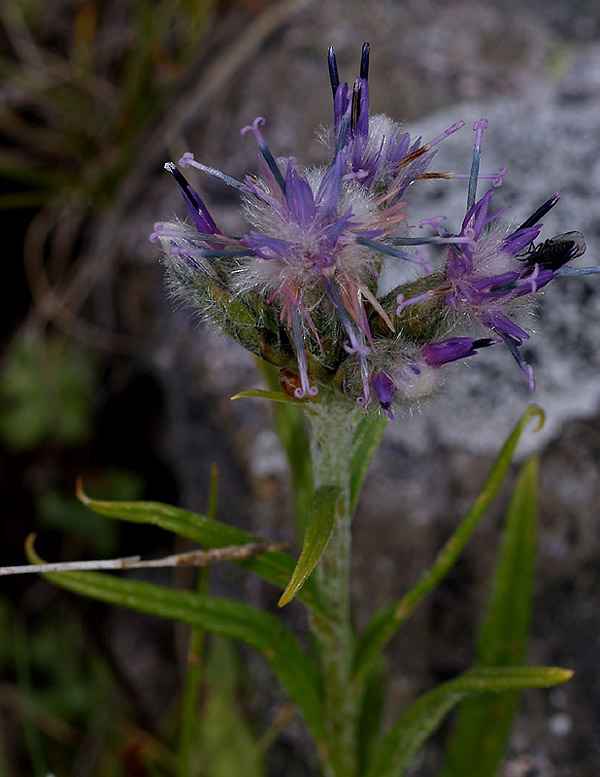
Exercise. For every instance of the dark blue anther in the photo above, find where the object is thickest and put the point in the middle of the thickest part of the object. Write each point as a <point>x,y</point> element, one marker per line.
<point>540,212</point>
<point>333,71</point>
<point>364,61</point>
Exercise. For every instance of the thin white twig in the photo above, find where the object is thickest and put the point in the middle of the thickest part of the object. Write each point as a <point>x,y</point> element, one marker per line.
<point>194,558</point>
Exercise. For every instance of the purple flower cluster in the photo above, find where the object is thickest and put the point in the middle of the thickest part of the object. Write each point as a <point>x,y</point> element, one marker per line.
<point>317,238</point>
<point>487,272</point>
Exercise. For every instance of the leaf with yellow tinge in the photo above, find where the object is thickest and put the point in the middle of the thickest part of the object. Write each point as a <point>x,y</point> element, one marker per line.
<point>483,725</point>
<point>407,736</point>
<point>327,506</point>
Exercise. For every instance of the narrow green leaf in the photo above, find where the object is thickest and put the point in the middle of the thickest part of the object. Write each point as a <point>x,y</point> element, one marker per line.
<point>371,714</point>
<point>505,630</point>
<point>232,619</point>
<point>275,566</point>
<point>479,738</point>
<point>407,736</point>
<point>274,396</point>
<point>327,506</point>
<point>388,619</point>
<point>367,438</point>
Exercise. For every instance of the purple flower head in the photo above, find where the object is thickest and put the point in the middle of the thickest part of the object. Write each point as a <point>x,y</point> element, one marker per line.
<point>300,286</point>
<point>317,236</point>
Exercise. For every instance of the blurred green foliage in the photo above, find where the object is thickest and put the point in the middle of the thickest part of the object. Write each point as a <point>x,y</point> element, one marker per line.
<point>46,393</point>
<point>81,81</point>
<point>57,689</point>
<point>226,745</point>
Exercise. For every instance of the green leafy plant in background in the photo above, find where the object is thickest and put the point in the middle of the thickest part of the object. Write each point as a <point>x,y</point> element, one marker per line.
<point>223,740</point>
<point>46,394</point>
<point>63,691</point>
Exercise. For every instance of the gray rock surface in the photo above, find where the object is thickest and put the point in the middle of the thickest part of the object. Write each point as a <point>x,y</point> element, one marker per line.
<point>548,140</point>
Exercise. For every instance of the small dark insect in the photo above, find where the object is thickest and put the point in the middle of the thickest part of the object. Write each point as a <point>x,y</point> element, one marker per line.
<point>289,382</point>
<point>553,253</point>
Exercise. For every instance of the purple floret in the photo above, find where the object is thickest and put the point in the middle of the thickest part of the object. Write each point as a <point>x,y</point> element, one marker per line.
<point>454,348</point>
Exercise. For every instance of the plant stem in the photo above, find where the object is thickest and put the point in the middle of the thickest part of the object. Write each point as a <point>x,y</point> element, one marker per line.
<point>332,425</point>
<point>188,732</point>
<point>195,660</point>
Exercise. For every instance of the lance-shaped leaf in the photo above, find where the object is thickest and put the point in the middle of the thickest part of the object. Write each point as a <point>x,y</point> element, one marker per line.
<point>388,619</point>
<point>327,507</point>
<point>232,619</point>
<point>407,736</point>
<point>371,713</point>
<point>276,566</point>
<point>479,739</point>
<point>274,396</point>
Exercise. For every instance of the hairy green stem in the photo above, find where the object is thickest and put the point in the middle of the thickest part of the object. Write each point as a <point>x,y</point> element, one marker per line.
<point>332,425</point>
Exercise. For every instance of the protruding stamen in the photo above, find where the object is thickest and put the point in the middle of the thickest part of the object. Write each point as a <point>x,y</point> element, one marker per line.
<point>187,160</point>
<point>495,178</point>
<point>264,149</point>
<point>202,219</point>
<point>364,374</point>
<point>159,231</point>
<point>478,128</point>
<point>342,135</point>
<point>527,368</point>
<point>388,250</point>
<point>355,111</point>
<point>364,61</point>
<point>541,211</point>
<point>497,181</point>
<point>333,70</point>
<point>445,134</point>
<point>438,240</point>
<point>571,271</point>
<point>334,295</point>
<point>406,303</point>
<point>533,278</point>
<point>435,223</point>
<point>306,388</point>
<point>210,253</point>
